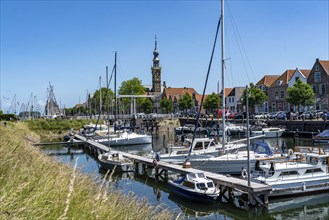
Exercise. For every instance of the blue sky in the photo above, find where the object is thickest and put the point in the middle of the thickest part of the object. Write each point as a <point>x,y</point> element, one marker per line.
<point>69,43</point>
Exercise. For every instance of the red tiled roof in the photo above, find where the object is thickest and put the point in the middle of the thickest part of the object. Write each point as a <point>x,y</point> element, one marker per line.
<point>325,65</point>
<point>178,92</point>
<point>228,91</point>
<point>306,73</point>
<point>267,80</point>
<point>285,77</point>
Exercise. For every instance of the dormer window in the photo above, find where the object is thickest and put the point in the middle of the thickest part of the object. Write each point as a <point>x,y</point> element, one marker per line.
<point>279,83</point>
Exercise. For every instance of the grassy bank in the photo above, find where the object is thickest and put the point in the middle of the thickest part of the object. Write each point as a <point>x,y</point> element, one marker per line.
<point>48,128</point>
<point>35,186</point>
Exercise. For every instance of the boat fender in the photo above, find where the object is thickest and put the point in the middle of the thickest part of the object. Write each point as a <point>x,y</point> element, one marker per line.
<point>155,163</point>
<point>244,173</point>
<point>290,152</point>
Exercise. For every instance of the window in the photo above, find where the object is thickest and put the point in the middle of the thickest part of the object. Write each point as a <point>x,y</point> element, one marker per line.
<point>232,99</point>
<point>322,89</point>
<point>279,83</point>
<point>317,68</point>
<point>276,94</point>
<point>317,77</point>
<point>282,94</point>
<point>314,89</point>
<point>296,78</point>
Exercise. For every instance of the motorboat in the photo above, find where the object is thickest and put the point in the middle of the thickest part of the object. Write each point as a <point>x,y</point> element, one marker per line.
<point>125,137</point>
<point>115,161</point>
<point>194,187</point>
<point>269,132</point>
<point>307,172</point>
<point>200,148</point>
<point>235,163</point>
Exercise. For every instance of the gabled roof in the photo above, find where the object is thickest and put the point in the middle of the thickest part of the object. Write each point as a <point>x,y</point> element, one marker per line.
<point>306,73</point>
<point>227,92</point>
<point>284,78</point>
<point>237,91</point>
<point>325,65</point>
<point>267,80</point>
<point>179,91</point>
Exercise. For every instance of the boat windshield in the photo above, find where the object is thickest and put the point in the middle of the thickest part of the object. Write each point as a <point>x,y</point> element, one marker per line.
<point>201,175</point>
<point>210,184</point>
<point>201,186</point>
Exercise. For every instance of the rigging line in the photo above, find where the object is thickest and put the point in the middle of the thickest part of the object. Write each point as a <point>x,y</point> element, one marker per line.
<point>204,89</point>
<point>242,45</point>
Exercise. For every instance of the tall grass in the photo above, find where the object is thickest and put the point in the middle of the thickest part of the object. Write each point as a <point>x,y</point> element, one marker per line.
<point>35,186</point>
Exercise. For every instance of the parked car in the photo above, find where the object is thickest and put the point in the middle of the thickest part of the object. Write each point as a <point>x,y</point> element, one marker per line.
<point>273,115</point>
<point>240,115</point>
<point>318,113</point>
<point>306,115</point>
<point>325,116</point>
<point>281,116</point>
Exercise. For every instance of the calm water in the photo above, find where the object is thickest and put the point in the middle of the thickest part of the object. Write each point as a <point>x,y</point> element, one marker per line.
<point>307,207</point>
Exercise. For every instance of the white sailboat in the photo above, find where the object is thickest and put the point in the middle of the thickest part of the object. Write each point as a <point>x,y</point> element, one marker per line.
<point>123,137</point>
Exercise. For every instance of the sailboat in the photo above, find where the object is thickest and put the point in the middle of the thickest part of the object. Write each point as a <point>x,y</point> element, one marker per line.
<point>231,163</point>
<point>123,137</point>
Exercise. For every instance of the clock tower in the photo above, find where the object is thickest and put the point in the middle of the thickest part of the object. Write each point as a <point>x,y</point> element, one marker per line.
<point>156,70</point>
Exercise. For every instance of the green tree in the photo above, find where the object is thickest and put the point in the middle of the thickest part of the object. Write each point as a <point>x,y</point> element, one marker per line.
<point>166,105</point>
<point>146,105</point>
<point>256,97</point>
<point>185,102</point>
<point>107,101</point>
<point>300,94</point>
<point>131,87</point>
<point>1,112</point>
<point>212,102</point>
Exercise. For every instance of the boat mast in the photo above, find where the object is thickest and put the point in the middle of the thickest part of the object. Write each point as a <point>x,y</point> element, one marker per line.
<point>100,95</point>
<point>223,87</point>
<point>115,87</point>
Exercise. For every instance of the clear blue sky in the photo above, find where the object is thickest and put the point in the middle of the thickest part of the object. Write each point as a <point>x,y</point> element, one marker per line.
<point>69,43</point>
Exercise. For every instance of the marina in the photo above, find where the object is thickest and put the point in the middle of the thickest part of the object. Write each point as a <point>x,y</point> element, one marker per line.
<point>157,191</point>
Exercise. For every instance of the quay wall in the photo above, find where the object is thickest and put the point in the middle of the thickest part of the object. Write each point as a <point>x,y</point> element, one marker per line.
<point>290,125</point>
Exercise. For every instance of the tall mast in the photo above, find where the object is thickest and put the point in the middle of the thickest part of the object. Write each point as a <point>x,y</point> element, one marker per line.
<point>100,95</point>
<point>223,73</point>
<point>115,86</point>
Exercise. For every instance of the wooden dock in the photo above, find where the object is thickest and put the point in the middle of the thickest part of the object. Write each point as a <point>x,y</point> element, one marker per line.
<point>257,192</point>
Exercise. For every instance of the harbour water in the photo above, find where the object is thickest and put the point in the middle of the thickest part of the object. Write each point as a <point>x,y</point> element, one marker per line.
<point>305,207</point>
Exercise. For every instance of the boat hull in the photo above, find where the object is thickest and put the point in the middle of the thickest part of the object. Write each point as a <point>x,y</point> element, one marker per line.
<point>118,166</point>
<point>233,167</point>
<point>191,195</point>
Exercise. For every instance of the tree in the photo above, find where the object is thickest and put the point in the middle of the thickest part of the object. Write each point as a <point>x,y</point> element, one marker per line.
<point>107,98</point>
<point>131,87</point>
<point>300,94</point>
<point>256,97</point>
<point>185,102</point>
<point>146,105</point>
<point>212,102</point>
<point>166,105</point>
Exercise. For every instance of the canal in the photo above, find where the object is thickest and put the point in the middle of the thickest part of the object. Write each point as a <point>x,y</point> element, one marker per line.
<point>305,207</point>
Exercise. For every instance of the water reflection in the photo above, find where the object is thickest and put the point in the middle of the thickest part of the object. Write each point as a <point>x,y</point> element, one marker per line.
<point>307,207</point>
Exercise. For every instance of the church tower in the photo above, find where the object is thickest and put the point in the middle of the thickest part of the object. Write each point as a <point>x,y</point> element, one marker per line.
<point>156,70</point>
